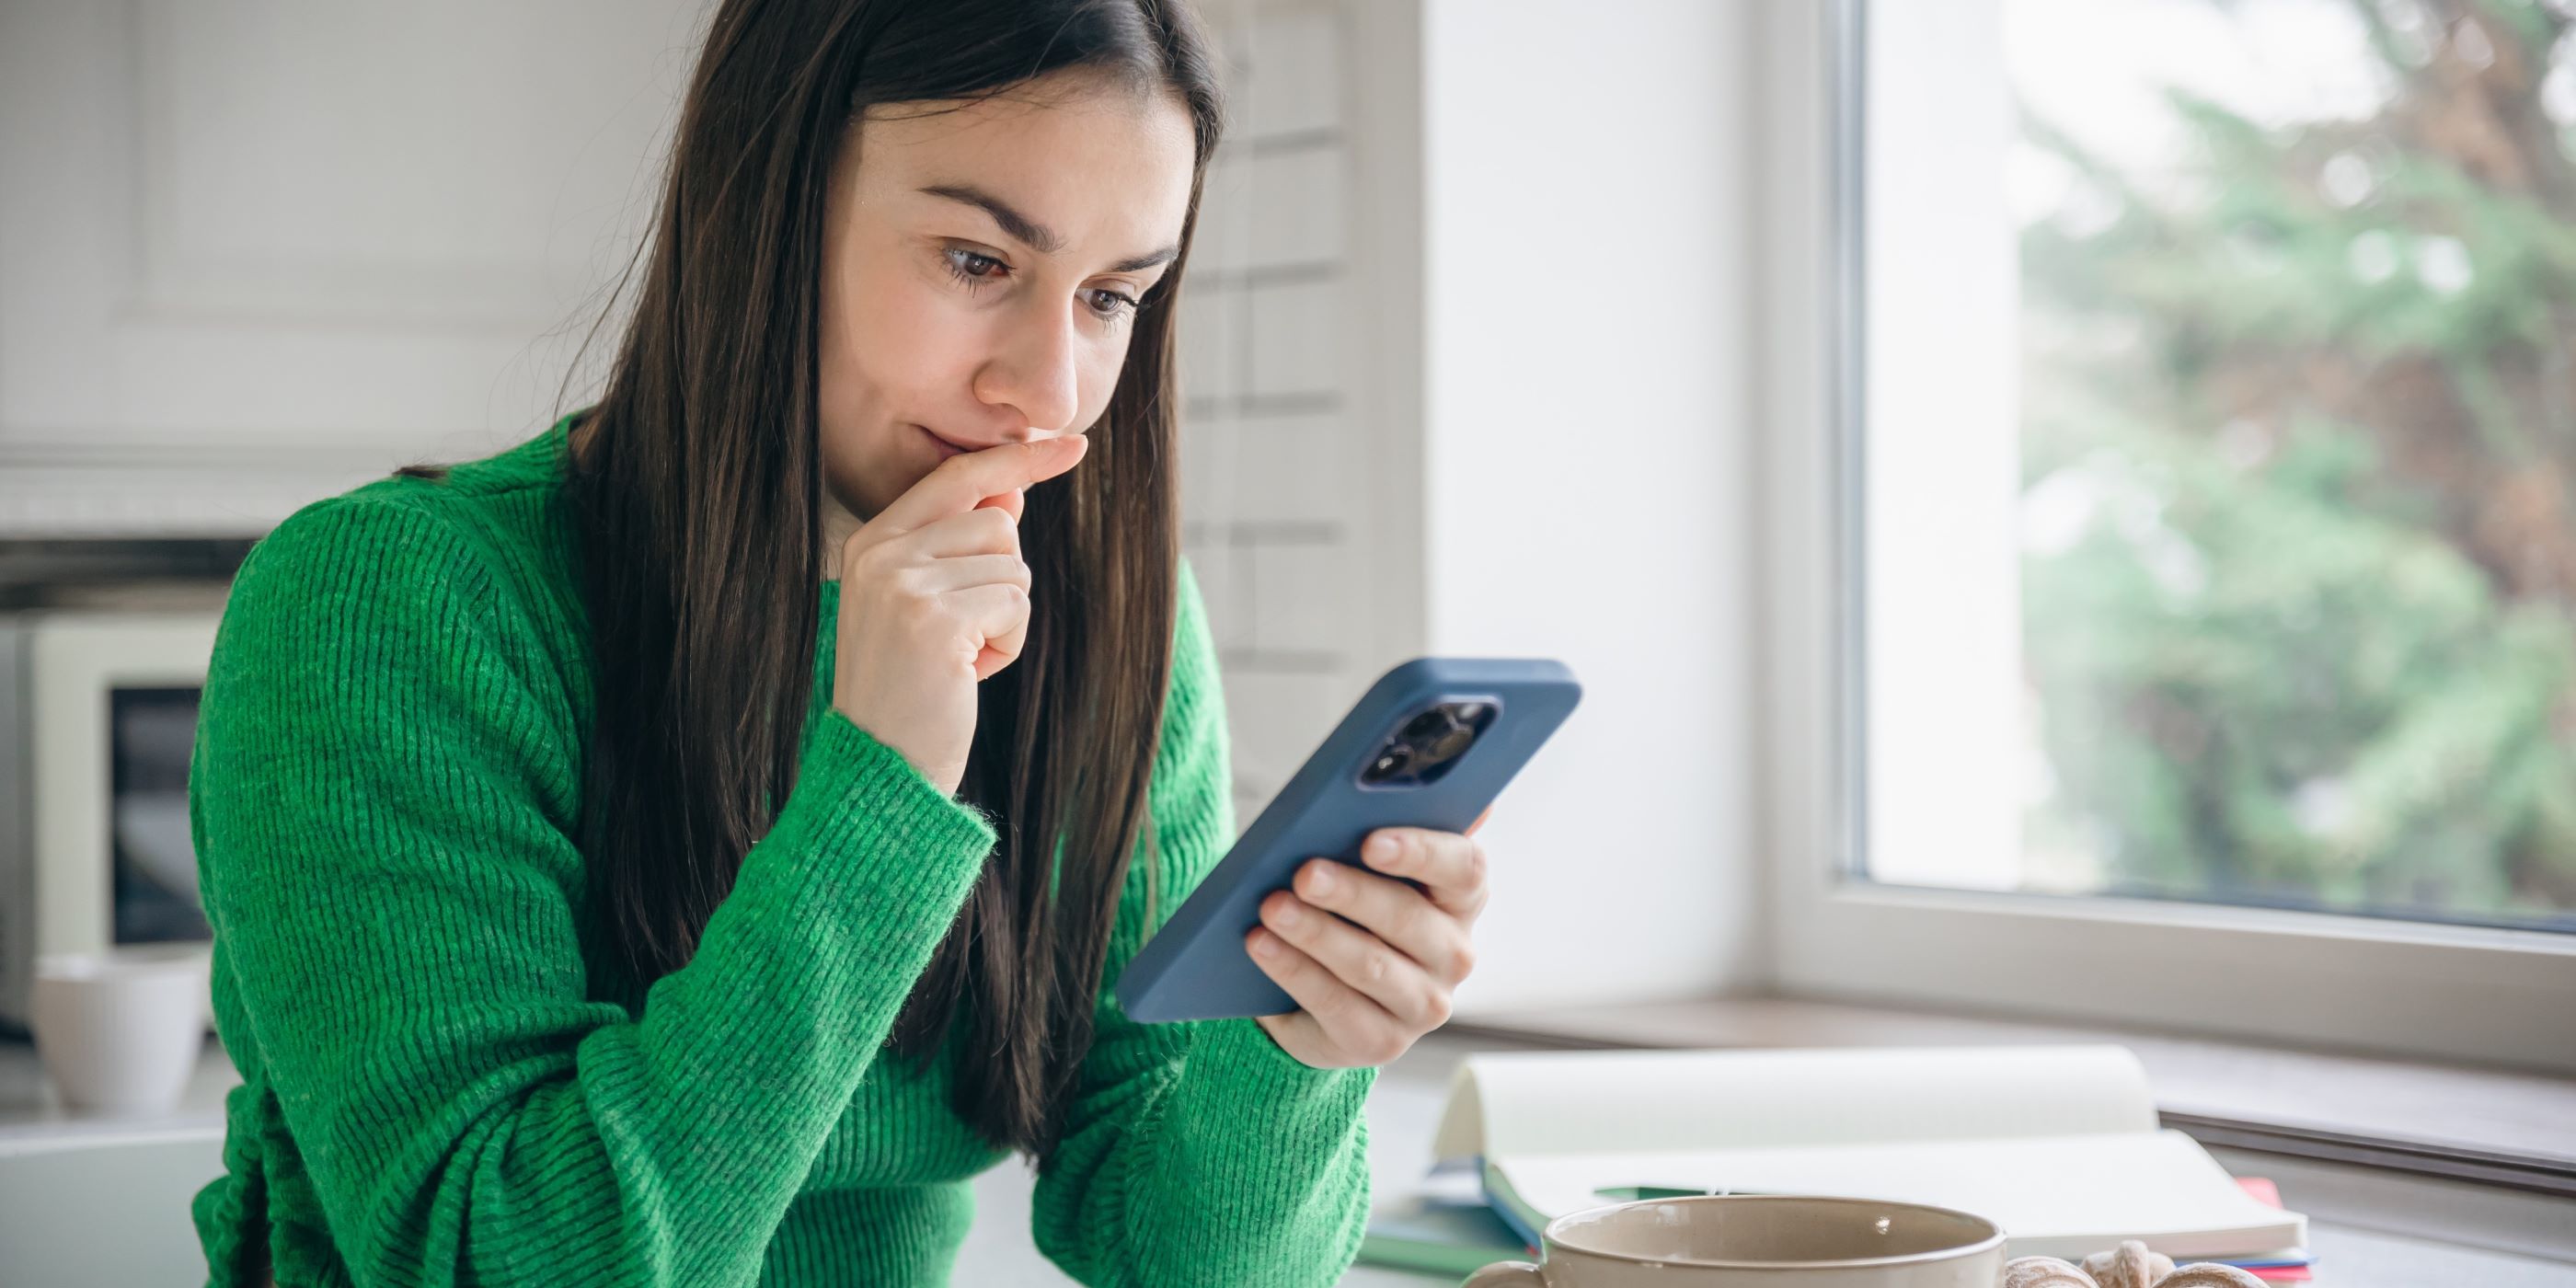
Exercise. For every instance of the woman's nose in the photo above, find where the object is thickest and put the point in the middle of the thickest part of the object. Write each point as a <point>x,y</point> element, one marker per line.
<point>1036,375</point>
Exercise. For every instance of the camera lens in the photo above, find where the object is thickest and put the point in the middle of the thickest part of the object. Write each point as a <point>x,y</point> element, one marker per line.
<point>1425,725</point>
<point>1451,743</point>
<point>1390,763</point>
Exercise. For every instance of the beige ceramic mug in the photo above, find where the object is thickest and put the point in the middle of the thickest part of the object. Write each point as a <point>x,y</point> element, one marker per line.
<point>1759,1241</point>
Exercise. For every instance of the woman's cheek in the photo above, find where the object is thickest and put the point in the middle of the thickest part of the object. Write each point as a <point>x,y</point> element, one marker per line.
<point>905,326</point>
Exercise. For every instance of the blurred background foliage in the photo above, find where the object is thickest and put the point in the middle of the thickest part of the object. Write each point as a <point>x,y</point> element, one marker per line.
<point>2300,421</point>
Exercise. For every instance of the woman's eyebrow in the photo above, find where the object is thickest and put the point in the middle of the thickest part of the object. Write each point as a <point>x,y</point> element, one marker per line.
<point>1029,232</point>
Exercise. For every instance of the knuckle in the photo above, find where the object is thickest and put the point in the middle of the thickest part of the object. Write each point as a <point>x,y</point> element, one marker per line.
<point>1464,960</point>
<point>874,559</point>
<point>1436,1010</point>
<point>908,578</point>
<point>1385,1046</point>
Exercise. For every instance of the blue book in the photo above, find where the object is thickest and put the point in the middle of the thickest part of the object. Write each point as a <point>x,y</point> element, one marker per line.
<point>1440,1235</point>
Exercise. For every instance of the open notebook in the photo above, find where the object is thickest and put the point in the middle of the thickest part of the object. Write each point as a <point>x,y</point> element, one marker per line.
<point>2058,1145</point>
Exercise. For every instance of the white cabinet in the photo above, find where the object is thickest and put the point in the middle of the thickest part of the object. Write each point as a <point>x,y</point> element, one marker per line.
<point>254,251</point>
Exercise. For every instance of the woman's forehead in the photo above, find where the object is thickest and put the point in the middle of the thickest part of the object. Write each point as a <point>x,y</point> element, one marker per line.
<point>1105,168</point>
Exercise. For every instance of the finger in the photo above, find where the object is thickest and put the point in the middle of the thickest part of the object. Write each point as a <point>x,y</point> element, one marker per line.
<point>1396,983</point>
<point>1011,503</point>
<point>1450,866</point>
<point>1348,1017</point>
<point>965,481</point>
<point>999,612</point>
<point>983,531</point>
<point>1003,649</point>
<point>965,572</point>
<point>1394,911</point>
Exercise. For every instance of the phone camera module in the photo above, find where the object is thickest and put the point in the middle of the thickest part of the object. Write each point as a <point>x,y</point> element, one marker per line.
<point>1428,744</point>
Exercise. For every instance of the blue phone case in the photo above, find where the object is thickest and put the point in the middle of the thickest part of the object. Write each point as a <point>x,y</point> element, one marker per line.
<point>1195,967</point>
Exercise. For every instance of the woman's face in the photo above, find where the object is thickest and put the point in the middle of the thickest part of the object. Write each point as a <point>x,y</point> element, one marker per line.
<point>981,265</point>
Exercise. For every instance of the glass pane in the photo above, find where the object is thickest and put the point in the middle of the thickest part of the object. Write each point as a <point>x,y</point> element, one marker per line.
<point>152,733</point>
<point>2220,451</point>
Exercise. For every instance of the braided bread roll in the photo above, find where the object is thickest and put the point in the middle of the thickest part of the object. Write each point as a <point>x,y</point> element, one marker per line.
<point>2044,1272</point>
<point>2128,1266</point>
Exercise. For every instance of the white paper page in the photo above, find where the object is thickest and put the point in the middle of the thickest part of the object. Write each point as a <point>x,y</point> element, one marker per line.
<point>1540,1102</point>
<point>2054,1196</point>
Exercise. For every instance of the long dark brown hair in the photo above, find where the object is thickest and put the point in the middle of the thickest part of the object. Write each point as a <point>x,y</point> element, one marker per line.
<point>698,493</point>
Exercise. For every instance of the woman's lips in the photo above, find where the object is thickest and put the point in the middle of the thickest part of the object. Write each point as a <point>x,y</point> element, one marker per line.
<point>940,445</point>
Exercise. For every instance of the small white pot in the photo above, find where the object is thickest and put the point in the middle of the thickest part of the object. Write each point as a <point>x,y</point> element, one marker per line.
<point>120,1031</point>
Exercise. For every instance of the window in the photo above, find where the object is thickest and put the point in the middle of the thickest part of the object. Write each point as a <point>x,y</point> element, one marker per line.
<point>2223,545</point>
<point>2176,599</point>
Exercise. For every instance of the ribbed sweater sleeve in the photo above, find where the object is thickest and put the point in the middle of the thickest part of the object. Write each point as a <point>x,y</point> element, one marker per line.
<point>395,897</point>
<point>1200,1152</point>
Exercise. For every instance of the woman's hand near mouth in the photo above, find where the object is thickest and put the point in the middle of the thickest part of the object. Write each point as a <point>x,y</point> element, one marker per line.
<point>935,599</point>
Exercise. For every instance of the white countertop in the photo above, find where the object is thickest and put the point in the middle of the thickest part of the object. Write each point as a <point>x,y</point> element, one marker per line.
<point>1403,1110</point>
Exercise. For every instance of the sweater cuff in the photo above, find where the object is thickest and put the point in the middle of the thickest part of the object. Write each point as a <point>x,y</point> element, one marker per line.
<point>1238,1054</point>
<point>853,776</point>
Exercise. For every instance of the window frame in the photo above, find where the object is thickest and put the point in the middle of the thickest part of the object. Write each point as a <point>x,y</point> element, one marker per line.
<point>2450,992</point>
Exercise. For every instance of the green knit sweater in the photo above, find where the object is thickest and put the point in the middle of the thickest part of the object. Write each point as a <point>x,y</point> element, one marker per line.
<point>443,1084</point>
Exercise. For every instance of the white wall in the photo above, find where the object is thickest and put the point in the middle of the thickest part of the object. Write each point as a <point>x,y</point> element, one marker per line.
<point>1296,470</point>
<point>1586,217</point>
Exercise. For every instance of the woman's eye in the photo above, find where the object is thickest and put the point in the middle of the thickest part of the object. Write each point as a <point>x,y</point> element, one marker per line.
<point>969,267</point>
<point>1112,304</point>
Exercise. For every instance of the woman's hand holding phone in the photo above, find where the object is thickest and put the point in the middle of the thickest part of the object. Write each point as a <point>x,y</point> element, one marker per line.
<point>1372,960</point>
<point>935,599</point>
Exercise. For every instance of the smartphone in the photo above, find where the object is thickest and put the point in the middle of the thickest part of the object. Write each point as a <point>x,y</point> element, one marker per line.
<point>1431,744</point>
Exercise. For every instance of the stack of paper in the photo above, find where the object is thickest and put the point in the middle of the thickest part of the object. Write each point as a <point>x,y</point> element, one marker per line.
<point>2058,1145</point>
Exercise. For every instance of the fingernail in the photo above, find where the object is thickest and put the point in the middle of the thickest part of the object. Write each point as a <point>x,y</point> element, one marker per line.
<point>1285,914</point>
<point>1322,880</point>
<point>1265,945</point>
<point>1381,849</point>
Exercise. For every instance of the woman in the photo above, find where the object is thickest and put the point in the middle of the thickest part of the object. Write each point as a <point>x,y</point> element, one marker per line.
<point>688,846</point>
